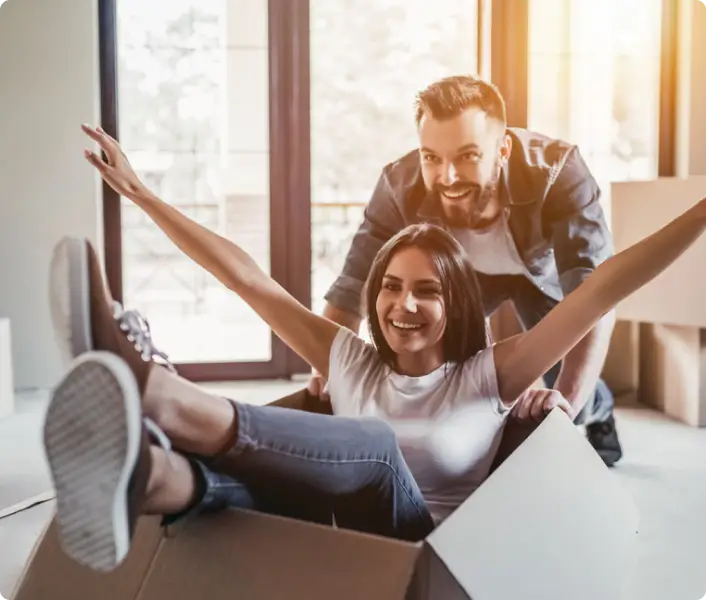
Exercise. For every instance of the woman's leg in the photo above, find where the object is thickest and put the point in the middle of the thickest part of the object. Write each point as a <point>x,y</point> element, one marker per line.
<point>106,471</point>
<point>354,464</point>
<point>173,487</point>
<point>181,487</point>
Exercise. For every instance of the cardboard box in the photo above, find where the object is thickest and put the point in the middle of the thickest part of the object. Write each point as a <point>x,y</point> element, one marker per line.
<point>550,523</point>
<point>666,356</point>
<point>639,209</point>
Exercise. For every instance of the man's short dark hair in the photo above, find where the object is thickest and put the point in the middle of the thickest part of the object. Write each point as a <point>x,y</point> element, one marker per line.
<point>450,96</point>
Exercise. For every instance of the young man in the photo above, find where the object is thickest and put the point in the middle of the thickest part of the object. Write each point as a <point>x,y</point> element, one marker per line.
<point>527,210</point>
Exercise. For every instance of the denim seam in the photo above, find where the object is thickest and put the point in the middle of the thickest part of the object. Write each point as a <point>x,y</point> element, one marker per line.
<point>243,440</point>
<point>347,461</point>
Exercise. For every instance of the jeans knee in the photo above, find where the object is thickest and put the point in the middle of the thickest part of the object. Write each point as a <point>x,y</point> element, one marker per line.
<point>380,438</point>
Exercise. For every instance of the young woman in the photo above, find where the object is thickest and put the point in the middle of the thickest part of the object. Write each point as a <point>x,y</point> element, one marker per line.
<point>437,392</point>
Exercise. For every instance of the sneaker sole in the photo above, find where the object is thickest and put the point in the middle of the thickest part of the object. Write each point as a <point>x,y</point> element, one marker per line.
<point>92,437</point>
<point>70,297</point>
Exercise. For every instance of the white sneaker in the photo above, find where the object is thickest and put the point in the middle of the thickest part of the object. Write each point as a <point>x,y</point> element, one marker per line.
<point>98,451</point>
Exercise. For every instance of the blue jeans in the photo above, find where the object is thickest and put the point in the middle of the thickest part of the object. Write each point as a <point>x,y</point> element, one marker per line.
<point>316,468</point>
<point>531,305</point>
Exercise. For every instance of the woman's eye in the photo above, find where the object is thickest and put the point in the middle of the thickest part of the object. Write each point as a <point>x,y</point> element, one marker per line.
<point>428,292</point>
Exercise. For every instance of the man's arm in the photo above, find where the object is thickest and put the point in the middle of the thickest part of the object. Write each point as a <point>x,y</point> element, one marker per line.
<point>582,367</point>
<point>342,317</point>
<point>382,220</point>
<point>582,241</point>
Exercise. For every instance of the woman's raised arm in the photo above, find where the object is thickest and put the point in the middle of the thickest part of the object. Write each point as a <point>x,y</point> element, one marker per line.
<point>523,361</point>
<point>308,334</point>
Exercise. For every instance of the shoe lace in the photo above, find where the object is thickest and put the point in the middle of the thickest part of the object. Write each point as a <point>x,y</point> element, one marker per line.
<point>158,435</point>
<point>138,332</point>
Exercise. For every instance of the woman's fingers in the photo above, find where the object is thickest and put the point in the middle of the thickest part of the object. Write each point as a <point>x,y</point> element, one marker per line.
<point>96,161</point>
<point>107,172</point>
<point>106,142</point>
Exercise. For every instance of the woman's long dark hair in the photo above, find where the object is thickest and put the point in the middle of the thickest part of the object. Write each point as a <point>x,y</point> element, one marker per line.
<point>465,333</point>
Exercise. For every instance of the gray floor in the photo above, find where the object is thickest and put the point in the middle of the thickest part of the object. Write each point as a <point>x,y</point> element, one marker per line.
<point>664,470</point>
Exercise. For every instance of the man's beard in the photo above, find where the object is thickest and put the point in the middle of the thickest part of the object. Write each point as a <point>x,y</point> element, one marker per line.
<point>466,213</point>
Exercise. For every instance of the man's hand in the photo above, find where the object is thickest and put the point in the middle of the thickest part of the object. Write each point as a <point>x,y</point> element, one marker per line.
<point>115,169</point>
<point>535,404</point>
<point>316,387</point>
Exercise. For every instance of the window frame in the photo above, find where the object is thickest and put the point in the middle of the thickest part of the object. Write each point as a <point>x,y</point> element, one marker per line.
<point>290,220</point>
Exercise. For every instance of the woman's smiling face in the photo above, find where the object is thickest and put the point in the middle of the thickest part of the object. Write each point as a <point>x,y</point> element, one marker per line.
<point>411,311</point>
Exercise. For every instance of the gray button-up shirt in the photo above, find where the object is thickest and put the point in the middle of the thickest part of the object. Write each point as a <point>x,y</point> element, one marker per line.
<point>553,213</point>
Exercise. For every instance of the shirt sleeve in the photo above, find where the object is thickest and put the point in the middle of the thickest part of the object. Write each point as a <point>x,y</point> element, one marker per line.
<point>481,373</point>
<point>574,215</point>
<point>350,359</point>
<point>382,220</point>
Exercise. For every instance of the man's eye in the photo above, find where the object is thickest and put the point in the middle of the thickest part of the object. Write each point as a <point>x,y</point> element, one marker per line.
<point>429,158</point>
<point>470,156</point>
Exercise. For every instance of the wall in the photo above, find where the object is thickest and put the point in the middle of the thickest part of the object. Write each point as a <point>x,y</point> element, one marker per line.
<point>48,87</point>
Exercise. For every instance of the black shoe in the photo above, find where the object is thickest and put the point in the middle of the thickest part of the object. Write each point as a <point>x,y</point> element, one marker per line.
<point>604,438</point>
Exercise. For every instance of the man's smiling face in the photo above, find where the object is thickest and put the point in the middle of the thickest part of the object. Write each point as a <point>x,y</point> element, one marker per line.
<point>461,159</point>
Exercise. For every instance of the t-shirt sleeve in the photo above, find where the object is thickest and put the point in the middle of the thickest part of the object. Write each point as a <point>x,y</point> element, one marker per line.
<point>349,362</point>
<point>480,373</point>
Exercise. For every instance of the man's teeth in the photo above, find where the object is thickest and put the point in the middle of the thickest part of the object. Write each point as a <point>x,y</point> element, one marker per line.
<point>455,195</point>
<point>401,325</point>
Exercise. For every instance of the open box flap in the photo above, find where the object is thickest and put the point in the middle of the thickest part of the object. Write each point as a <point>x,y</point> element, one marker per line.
<point>530,530</point>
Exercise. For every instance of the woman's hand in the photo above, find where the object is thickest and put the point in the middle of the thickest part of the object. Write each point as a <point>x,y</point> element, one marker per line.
<point>116,170</point>
<point>535,404</point>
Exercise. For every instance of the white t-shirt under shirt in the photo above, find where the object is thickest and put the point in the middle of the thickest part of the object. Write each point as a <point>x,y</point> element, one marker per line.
<point>491,249</point>
<point>448,423</point>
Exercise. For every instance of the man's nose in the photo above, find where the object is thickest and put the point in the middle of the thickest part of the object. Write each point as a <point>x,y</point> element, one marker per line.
<point>449,175</point>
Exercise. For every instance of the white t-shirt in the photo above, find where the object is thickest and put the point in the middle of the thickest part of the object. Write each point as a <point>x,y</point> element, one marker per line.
<point>448,423</point>
<point>491,250</point>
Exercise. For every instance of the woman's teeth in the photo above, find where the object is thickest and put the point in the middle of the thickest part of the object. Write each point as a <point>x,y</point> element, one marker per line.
<point>401,325</point>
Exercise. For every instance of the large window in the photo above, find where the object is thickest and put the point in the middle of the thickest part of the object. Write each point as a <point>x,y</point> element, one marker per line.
<point>368,59</point>
<point>195,115</point>
<point>270,122</point>
<point>594,80</point>
<point>194,122</point>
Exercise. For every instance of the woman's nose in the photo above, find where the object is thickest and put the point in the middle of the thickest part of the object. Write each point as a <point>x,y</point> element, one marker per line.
<point>409,302</point>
